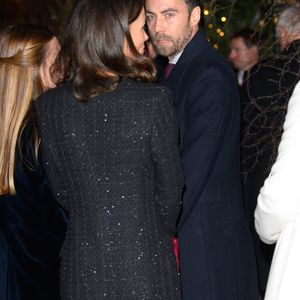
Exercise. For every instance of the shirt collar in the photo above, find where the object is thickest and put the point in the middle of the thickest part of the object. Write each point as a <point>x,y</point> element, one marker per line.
<point>175,59</point>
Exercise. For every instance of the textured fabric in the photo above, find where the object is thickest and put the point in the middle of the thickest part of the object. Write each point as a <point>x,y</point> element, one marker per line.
<point>168,70</point>
<point>278,209</point>
<point>265,98</point>
<point>113,163</point>
<point>216,252</point>
<point>32,229</point>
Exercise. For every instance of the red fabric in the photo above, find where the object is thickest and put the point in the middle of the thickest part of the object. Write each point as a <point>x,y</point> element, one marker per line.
<point>168,70</point>
<point>176,249</point>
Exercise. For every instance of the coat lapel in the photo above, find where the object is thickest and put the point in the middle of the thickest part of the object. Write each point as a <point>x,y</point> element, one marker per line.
<point>197,45</point>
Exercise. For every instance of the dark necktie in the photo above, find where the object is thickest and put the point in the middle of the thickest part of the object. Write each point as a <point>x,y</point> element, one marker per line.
<point>168,70</point>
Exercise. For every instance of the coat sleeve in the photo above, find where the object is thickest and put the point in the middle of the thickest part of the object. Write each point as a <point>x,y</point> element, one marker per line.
<point>207,110</point>
<point>166,159</point>
<point>48,149</point>
<point>279,199</point>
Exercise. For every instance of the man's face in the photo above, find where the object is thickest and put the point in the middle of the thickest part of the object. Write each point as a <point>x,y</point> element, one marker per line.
<point>241,56</point>
<point>170,25</point>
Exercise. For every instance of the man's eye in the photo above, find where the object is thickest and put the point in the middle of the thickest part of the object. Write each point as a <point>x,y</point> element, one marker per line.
<point>149,18</point>
<point>169,15</point>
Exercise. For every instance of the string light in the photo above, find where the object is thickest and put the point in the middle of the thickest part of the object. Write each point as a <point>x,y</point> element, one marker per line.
<point>216,46</point>
<point>221,34</point>
<point>206,12</point>
<point>210,26</point>
<point>223,19</point>
<point>219,30</point>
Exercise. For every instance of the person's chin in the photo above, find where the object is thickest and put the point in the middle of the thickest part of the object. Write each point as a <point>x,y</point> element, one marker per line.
<point>142,51</point>
<point>164,50</point>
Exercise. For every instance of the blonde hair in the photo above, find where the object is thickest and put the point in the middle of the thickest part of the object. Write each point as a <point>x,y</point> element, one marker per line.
<point>22,51</point>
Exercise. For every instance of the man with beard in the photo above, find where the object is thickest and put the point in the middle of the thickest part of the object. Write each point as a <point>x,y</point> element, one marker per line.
<point>216,251</point>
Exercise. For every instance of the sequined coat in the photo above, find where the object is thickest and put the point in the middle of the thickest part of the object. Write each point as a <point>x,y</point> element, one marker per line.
<point>113,163</point>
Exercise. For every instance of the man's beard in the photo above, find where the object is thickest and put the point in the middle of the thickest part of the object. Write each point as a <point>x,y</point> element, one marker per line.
<point>175,47</point>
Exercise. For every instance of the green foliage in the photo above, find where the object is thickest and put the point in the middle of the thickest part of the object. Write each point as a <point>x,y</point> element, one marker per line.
<point>257,15</point>
<point>60,12</point>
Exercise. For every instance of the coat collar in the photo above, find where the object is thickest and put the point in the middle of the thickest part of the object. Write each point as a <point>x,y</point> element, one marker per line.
<point>196,46</point>
<point>292,48</point>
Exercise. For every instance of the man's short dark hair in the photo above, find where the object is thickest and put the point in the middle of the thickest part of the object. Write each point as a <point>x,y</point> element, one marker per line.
<point>192,4</point>
<point>250,37</point>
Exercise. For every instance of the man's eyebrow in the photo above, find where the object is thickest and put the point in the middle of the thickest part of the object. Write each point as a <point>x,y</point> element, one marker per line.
<point>166,10</point>
<point>169,10</point>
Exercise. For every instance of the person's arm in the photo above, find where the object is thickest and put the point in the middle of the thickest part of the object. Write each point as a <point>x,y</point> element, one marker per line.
<point>207,111</point>
<point>166,159</point>
<point>279,199</point>
<point>48,150</point>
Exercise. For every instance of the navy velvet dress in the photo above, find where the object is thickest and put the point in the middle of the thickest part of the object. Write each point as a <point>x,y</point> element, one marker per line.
<point>32,229</point>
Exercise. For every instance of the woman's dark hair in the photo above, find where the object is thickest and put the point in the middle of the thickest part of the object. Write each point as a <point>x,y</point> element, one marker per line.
<point>92,54</point>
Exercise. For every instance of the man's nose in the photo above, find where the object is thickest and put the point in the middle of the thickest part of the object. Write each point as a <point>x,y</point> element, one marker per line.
<point>232,55</point>
<point>159,26</point>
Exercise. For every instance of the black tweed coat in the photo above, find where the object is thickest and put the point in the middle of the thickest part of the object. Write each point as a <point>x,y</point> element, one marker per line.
<point>113,163</point>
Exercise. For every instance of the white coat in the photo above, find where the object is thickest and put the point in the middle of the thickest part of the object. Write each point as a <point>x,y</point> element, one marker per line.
<point>277,215</point>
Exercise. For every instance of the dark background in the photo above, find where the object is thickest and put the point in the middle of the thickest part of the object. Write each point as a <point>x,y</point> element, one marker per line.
<point>260,15</point>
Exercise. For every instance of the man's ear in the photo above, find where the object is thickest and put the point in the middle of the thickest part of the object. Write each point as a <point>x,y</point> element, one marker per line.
<point>282,36</point>
<point>281,31</point>
<point>195,16</point>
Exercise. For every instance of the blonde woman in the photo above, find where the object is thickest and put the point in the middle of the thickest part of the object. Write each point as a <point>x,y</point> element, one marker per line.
<point>32,225</point>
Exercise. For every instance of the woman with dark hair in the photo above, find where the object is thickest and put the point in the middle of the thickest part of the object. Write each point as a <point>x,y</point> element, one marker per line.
<point>110,149</point>
<point>32,225</point>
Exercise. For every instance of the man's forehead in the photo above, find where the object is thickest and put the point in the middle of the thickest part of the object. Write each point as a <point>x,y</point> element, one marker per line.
<point>160,6</point>
<point>238,41</point>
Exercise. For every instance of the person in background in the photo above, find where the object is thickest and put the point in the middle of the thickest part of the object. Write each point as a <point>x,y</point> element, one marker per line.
<point>32,225</point>
<point>264,99</point>
<point>278,209</point>
<point>216,252</point>
<point>244,52</point>
<point>109,142</point>
<point>288,28</point>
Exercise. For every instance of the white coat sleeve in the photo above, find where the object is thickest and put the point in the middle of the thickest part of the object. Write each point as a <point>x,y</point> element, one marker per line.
<point>279,199</point>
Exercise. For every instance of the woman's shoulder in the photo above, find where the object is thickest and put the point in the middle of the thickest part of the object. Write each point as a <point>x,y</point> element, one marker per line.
<point>152,98</point>
<point>147,86</point>
<point>55,95</point>
<point>146,90</point>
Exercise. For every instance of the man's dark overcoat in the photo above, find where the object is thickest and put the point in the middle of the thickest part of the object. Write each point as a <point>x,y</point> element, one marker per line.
<point>216,251</point>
